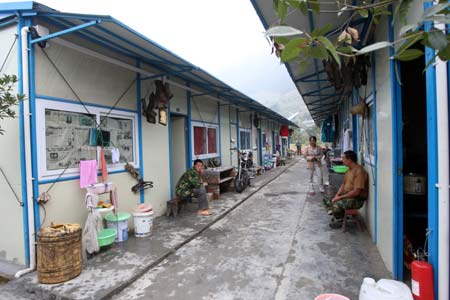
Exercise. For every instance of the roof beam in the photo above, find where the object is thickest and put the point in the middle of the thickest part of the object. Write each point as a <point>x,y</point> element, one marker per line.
<point>309,76</point>
<point>317,91</point>
<point>66,31</point>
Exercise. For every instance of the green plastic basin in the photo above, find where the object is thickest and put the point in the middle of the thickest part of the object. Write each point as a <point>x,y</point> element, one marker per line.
<point>122,216</point>
<point>106,237</point>
<point>340,169</point>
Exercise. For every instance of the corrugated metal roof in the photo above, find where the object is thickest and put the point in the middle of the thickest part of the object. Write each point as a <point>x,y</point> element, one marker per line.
<point>319,95</point>
<point>114,36</point>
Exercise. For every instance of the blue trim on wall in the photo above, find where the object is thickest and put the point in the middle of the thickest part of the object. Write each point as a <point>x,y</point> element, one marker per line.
<point>260,145</point>
<point>76,177</point>
<point>189,130</point>
<point>170,150</point>
<point>375,141</point>
<point>23,171</point>
<point>229,126</point>
<point>57,99</point>
<point>34,160</point>
<point>139,120</point>
<point>238,137</point>
<point>220,132</point>
<point>432,156</point>
<point>7,23</point>
<point>203,122</point>
<point>397,162</point>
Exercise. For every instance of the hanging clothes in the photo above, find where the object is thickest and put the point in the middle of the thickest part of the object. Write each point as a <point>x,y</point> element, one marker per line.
<point>88,172</point>
<point>103,165</point>
<point>347,141</point>
<point>328,130</point>
<point>115,155</point>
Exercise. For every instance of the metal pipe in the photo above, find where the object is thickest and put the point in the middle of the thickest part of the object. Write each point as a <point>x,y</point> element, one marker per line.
<point>27,141</point>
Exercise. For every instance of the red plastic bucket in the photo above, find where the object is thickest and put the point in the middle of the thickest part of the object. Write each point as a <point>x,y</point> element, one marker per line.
<point>331,297</point>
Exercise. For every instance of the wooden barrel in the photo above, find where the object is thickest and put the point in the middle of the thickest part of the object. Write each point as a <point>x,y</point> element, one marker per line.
<point>59,256</point>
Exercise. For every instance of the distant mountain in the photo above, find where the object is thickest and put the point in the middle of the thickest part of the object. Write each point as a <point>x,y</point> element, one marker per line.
<point>289,104</point>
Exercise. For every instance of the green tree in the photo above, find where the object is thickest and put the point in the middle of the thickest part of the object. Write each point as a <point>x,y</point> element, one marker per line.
<point>7,98</point>
<point>297,44</point>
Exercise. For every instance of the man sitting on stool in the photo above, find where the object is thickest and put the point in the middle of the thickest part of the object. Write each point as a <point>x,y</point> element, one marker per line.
<point>353,191</point>
<point>191,185</point>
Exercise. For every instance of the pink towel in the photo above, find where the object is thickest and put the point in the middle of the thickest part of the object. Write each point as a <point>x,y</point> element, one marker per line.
<point>88,172</point>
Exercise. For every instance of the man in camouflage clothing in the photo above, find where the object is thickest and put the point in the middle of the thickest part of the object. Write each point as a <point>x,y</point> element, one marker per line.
<point>191,185</point>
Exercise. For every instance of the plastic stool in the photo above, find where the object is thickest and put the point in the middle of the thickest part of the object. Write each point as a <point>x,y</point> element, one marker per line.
<point>352,215</point>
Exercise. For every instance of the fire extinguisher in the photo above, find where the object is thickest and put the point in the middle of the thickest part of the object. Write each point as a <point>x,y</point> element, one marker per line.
<point>422,278</point>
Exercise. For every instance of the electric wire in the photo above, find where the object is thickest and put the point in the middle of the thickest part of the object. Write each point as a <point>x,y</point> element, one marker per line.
<point>9,52</point>
<point>98,125</point>
<point>10,186</point>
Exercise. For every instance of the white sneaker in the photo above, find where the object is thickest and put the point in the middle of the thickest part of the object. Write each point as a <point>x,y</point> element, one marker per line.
<point>321,189</point>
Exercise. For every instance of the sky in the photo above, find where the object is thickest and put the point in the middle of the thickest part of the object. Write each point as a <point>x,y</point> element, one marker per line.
<point>224,38</point>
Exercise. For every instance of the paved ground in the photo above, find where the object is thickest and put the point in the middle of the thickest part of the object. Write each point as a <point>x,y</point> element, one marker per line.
<point>271,242</point>
<point>277,245</point>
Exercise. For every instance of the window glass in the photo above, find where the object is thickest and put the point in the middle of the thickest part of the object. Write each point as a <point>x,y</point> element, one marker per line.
<point>121,137</point>
<point>244,138</point>
<point>67,138</point>
<point>199,140</point>
<point>212,140</point>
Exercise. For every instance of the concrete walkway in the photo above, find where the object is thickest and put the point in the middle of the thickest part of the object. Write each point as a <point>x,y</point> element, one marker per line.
<point>276,245</point>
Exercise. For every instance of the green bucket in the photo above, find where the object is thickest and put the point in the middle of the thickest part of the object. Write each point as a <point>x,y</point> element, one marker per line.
<point>340,169</point>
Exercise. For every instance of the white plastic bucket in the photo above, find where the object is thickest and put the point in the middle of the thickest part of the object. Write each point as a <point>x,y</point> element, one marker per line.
<point>120,223</point>
<point>143,223</point>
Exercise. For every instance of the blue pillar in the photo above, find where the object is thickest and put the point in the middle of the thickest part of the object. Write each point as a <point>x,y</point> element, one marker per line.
<point>189,130</point>
<point>139,111</point>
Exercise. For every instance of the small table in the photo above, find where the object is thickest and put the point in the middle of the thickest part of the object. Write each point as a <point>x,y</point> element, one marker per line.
<point>219,180</point>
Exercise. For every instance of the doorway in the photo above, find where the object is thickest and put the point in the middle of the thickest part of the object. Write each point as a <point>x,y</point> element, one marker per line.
<point>414,158</point>
<point>178,129</point>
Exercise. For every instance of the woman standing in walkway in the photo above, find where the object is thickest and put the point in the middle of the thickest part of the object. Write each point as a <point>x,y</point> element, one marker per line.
<point>313,156</point>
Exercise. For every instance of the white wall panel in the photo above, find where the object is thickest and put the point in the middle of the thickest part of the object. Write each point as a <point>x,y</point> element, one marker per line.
<point>384,129</point>
<point>178,104</point>
<point>204,110</point>
<point>225,134</point>
<point>11,223</point>
<point>93,80</point>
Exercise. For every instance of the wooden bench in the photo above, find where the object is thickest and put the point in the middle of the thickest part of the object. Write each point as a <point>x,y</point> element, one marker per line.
<point>219,180</point>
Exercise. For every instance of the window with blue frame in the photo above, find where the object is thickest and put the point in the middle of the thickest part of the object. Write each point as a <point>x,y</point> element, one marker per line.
<point>244,139</point>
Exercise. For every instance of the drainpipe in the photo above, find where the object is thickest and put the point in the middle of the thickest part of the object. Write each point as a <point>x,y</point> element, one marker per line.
<point>27,138</point>
<point>443,178</point>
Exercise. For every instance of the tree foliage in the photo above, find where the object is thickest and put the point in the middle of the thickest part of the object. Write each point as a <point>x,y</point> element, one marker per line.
<point>7,98</point>
<point>297,44</point>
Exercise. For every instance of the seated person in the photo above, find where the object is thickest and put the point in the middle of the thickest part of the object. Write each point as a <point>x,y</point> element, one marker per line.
<point>191,185</point>
<point>353,191</point>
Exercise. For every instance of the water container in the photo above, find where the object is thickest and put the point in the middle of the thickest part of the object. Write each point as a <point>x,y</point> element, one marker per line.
<point>384,289</point>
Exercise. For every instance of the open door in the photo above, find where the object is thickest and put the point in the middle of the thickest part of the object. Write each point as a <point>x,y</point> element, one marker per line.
<point>179,152</point>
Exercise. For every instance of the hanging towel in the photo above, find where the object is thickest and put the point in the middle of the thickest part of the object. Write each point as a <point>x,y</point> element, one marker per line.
<point>103,165</point>
<point>115,155</point>
<point>88,172</point>
<point>347,139</point>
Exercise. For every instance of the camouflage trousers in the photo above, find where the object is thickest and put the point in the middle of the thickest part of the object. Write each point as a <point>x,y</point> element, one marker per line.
<point>338,208</point>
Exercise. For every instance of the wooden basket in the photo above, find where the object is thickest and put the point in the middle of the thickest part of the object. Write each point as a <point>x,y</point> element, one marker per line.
<point>59,254</point>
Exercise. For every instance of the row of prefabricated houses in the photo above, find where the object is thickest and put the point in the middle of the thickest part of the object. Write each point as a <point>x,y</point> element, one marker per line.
<point>402,140</point>
<point>78,71</point>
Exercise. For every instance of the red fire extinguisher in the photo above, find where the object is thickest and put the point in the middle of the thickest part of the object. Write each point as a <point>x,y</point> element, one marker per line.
<point>422,278</point>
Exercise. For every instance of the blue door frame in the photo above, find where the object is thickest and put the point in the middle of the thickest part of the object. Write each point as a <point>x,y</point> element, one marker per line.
<point>433,164</point>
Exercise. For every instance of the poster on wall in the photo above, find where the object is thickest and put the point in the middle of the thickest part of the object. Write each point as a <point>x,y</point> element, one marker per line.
<point>67,137</point>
